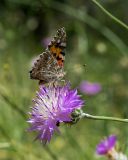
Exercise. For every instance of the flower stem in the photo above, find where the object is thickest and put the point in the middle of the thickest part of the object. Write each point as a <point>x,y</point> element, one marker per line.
<point>110,15</point>
<point>85,115</point>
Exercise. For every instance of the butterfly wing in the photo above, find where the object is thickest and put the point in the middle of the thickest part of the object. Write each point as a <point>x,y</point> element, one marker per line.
<point>57,46</point>
<point>46,68</point>
<point>49,66</point>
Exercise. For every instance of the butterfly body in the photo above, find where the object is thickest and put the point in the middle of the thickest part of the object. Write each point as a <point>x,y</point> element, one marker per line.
<point>50,65</point>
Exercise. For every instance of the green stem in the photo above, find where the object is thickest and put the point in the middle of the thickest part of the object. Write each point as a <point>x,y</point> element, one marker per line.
<point>110,15</point>
<point>85,115</point>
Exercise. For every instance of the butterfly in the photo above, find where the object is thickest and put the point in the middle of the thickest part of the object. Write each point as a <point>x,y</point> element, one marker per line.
<point>49,67</point>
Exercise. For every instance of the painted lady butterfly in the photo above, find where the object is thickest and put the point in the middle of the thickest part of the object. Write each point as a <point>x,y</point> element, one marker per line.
<point>49,67</point>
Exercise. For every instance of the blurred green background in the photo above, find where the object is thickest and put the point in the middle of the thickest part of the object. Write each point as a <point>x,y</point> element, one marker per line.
<point>93,39</point>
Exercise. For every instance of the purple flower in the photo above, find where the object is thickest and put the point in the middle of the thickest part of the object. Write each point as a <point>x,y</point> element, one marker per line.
<point>90,88</point>
<point>106,145</point>
<point>45,41</point>
<point>52,106</point>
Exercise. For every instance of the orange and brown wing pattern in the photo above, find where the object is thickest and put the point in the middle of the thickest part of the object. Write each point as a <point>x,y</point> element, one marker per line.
<point>49,66</point>
<point>57,46</point>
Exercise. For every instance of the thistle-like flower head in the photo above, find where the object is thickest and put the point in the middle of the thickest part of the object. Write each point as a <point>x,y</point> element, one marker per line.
<point>90,88</point>
<point>52,106</point>
<point>106,145</point>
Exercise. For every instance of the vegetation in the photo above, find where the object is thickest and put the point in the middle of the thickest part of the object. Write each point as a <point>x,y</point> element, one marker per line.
<point>96,51</point>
